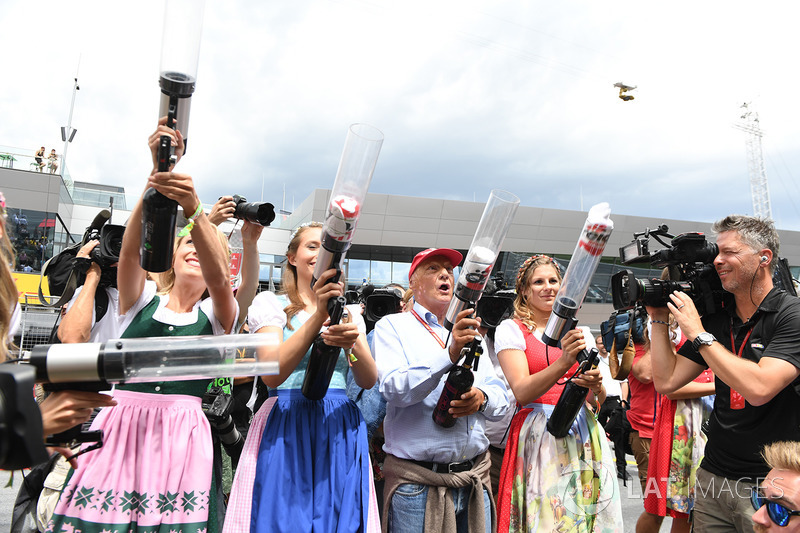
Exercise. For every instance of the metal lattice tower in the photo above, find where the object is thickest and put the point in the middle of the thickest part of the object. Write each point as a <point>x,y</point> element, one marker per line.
<point>759,191</point>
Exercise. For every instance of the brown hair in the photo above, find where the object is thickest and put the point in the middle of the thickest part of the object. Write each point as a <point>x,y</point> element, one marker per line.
<point>521,310</point>
<point>8,289</point>
<point>289,275</point>
<point>166,280</point>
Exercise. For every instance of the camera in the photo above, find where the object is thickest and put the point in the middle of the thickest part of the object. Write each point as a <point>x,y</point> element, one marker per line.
<point>496,303</point>
<point>689,259</point>
<point>21,443</point>
<point>217,406</point>
<point>377,302</point>
<point>380,303</point>
<point>255,212</point>
<point>106,253</point>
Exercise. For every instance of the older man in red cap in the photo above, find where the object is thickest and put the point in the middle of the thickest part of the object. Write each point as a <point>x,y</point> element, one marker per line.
<point>437,479</point>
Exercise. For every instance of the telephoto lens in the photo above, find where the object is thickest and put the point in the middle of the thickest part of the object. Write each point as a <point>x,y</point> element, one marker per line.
<point>262,213</point>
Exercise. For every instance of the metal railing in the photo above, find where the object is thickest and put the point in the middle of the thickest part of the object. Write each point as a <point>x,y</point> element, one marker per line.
<point>36,325</point>
<point>24,159</point>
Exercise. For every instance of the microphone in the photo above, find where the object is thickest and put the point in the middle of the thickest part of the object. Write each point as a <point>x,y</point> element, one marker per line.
<point>99,220</point>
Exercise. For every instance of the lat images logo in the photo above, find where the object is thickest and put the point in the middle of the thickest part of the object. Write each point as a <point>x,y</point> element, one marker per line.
<point>586,488</point>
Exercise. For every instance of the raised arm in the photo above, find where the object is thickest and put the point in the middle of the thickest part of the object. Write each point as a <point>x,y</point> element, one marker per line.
<point>76,326</point>
<point>251,266</point>
<point>131,276</point>
<point>670,371</point>
<point>758,382</point>
<point>211,252</point>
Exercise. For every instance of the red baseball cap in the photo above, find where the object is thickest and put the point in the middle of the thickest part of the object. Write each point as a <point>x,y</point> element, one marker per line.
<point>454,256</point>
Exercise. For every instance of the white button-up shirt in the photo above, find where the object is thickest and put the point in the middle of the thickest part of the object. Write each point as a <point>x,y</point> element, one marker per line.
<point>412,369</point>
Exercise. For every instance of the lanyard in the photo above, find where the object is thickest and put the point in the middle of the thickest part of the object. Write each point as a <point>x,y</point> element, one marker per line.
<point>737,400</point>
<point>744,342</point>
<point>430,330</point>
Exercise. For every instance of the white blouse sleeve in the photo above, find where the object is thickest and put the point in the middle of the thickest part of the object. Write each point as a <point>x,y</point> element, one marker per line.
<point>588,337</point>
<point>508,336</point>
<point>265,311</point>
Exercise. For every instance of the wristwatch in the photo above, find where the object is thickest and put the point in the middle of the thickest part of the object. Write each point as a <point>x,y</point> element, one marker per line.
<point>703,339</point>
<point>482,408</point>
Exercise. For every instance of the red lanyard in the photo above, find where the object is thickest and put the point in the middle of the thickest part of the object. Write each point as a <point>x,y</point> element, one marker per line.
<point>737,400</point>
<point>430,330</point>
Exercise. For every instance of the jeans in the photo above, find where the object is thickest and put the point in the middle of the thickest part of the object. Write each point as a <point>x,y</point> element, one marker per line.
<point>407,512</point>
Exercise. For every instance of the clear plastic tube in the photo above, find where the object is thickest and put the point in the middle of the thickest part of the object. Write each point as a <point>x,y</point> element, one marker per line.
<point>157,359</point>
<point>492,228</point>
<point>180,42</point>
<point>359,157</point>
<point>581,269</point>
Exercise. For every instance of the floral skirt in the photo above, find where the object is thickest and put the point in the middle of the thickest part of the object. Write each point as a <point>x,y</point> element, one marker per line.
<point>153,473</point>
<point>558,484</point>
<point>675,453</point>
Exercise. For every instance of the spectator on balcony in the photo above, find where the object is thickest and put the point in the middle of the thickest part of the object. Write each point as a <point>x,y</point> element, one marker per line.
<point>39,158</point>
<point>52,161</point>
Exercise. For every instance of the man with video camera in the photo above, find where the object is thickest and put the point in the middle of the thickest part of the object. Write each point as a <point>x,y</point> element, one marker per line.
<point>81,322</point>
<point>753,348</point>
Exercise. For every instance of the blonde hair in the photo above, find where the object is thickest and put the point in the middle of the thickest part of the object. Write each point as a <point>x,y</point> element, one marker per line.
<point>783,455</point>
<point>289,275</point>
<point>407,296</point>
<point>8,289</point>
<point>165,281</point>
<point>521,310</point>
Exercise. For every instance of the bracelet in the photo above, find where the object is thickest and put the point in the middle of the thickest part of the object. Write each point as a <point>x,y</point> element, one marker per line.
<point>659,322</point>
<point>188,227</point>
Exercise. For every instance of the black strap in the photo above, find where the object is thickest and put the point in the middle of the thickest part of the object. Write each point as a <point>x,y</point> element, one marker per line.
<point>69,289</point>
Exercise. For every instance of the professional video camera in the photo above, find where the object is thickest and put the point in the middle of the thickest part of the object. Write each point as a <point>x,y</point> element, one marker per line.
<point>381,302</point>
<point>62,272</point>
<point>106,253</point>
<point>262,213</point>
<point>497,302</point>
<point>688,258</point>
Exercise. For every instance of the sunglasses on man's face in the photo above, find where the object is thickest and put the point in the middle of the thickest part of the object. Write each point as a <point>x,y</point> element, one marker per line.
<point>777,512</point>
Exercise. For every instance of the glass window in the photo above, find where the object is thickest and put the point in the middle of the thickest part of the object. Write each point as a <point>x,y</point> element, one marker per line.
<point>400,273</point>
<point>32,234</point>
<point>380,273</point>
<point>357,272</point>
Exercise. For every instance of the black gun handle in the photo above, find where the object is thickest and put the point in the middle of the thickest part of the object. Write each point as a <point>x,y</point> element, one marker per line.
<point>336,309</point>
<point>164,155</point>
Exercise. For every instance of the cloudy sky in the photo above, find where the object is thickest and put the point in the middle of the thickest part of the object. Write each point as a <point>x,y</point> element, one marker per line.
<point>470,96</point>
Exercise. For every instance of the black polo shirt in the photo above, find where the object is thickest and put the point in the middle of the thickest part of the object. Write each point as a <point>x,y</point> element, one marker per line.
<point>736,437</point>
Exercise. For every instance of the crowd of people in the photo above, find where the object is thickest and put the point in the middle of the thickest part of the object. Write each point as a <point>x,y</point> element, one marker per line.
<point>712,401</point>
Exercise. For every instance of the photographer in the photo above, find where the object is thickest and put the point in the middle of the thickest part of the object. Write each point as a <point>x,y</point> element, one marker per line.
<point>251,263</point>
<point>80,323</point>
<point>753,348</point>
